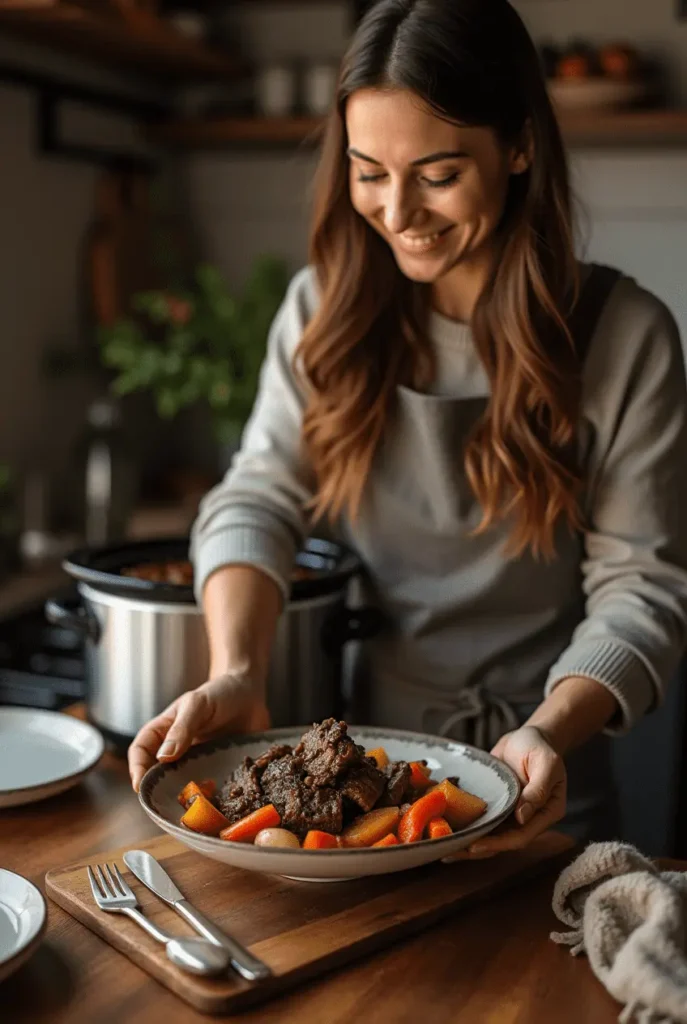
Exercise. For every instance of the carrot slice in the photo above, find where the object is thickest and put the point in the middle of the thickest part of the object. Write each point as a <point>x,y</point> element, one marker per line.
<point>207,788</point>
<point>316,840</point>
<point>380,756</point>
<point>419,775</point>
<point>370,827</point>
<point>438,827</point>
<point>462,808</point>
<point>246,829</point>
<point>417,818</point>
<point>389,840</point>
<point>202,816</point>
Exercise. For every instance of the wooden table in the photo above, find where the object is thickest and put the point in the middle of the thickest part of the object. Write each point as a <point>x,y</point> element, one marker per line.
<point>494,965</point>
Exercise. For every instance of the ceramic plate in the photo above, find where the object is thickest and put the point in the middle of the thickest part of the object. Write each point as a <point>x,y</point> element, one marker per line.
<point>23,917</point>
<point>43,753</point>
<point>478,772</point>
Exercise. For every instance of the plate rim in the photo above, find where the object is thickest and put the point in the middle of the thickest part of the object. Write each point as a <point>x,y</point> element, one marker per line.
<point>34,787</point>
<point>42,925</point>
<point>157,771</point>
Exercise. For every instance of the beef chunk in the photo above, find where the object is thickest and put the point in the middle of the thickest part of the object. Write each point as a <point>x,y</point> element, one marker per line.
<point>241,793</point>
<point>397,777</point>
<point>278,750</point>
<point>327,752</point>
<point>301,804</point>
<point>363,784</point>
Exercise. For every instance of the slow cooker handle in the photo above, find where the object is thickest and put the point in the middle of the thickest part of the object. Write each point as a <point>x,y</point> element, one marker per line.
<point>351,624</point>
<point>71,614</point>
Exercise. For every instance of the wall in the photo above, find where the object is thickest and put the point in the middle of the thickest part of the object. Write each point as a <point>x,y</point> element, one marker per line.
<point>245,203</point>
<point>47,205</point>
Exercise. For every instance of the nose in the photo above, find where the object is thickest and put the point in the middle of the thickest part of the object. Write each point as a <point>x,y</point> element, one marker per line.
<point>399,208</point>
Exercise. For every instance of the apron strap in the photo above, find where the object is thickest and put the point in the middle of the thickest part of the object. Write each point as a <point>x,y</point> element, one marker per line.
<point>585,316</point>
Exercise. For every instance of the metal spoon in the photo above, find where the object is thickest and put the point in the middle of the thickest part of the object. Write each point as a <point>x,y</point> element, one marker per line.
<point>197,956</point>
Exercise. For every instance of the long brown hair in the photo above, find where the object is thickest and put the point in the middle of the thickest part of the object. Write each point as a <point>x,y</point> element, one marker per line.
<point>470,61</point>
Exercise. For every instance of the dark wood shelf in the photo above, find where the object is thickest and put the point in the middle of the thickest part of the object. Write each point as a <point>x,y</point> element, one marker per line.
<point>140,41</point>
<point>626,128</point>
<point>644,128</point>
<point>202,133</point>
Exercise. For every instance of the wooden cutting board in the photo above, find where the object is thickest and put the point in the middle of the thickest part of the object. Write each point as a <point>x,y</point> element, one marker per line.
<point>301,929</point>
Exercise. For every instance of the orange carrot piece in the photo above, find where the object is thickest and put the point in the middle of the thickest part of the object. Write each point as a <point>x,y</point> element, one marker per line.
<point>462,808</point>
<point>380,756</point>
<point>246,829</point>
<point>371,827</point>
<point>316,840</point>
<point>207,788</point>
<point>202,816</point>
<point>438,827</point>
<point>389,840</point>
<point>415,821</point>
<point>419,775</point>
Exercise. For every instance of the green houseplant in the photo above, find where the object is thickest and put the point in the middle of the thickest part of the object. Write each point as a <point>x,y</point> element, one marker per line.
<point>202,344</point>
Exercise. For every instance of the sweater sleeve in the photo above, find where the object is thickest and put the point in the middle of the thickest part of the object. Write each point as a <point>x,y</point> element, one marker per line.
<point>256,514</point>
<point>635,563</point>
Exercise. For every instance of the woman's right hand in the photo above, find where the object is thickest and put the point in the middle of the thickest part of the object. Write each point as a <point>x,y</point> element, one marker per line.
<point>223,704</point>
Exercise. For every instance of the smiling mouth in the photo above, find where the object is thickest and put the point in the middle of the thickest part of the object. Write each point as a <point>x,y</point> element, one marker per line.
<point>420,244</point>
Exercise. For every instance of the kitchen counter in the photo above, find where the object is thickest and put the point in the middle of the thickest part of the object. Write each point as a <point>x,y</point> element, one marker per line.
<point>495,963</point>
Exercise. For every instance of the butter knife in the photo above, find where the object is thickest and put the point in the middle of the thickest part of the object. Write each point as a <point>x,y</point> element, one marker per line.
<point>151,873</point>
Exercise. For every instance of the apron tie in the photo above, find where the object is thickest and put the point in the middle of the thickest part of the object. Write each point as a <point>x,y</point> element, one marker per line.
<point>474,716</point>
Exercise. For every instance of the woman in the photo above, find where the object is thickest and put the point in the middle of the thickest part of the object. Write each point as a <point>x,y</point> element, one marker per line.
<point>516,502</point>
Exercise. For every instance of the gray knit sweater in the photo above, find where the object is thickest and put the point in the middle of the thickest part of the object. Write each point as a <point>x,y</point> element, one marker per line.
<point>612,605</point>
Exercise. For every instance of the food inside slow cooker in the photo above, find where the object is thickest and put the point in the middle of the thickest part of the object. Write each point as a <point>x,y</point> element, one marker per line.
<point>328,792</point>
<point>181,572</point>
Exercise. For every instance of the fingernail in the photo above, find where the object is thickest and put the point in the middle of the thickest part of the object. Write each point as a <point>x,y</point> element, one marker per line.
<point>478,848</point>
<point>167,749</point>
<point>525,813</point>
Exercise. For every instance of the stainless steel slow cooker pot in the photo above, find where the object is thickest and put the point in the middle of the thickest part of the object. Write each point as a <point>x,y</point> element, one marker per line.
<point>146,644</point>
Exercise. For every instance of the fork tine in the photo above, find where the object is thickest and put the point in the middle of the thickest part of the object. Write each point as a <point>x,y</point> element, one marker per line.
<point>110,877</point>
<point>124,886</point>
<point>103,884</point>
<point>97,895</point>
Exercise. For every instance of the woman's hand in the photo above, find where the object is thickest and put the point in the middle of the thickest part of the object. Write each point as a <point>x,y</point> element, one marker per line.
<point>542,801</point>
<point>223,704</point>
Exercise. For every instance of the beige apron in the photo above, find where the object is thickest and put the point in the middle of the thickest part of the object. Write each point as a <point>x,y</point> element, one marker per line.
<point>471,635</point>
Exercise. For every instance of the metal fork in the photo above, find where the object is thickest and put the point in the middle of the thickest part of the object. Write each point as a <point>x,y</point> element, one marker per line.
<point>116,896</point>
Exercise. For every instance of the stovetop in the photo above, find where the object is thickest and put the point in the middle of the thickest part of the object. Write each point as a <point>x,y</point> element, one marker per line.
<point>41,665</point>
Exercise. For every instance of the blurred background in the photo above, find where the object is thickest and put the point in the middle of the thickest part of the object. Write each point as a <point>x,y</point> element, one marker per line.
<point>155,163</point>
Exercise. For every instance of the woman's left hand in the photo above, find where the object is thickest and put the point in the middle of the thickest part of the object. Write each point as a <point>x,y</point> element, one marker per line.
<point>542,801</point>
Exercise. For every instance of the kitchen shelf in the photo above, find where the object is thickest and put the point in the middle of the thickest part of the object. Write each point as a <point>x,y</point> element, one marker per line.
<point>644,128</point>
<point>140,40</point>
<point>211,133</point>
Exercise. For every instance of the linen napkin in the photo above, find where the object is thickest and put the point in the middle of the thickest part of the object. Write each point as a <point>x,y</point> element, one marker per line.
<point>631,921</point>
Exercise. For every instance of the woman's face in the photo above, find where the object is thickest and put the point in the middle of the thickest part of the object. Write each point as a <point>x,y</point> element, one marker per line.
<point>433,190</point>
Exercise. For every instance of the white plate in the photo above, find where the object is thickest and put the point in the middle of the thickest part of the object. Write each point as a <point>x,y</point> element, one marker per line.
<point>43,753</point>
<point>23,916</point>
<point>477,771</point>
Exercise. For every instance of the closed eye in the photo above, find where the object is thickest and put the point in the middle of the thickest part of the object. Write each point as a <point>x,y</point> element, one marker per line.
<point>443,182</point>
<point>432,182</point>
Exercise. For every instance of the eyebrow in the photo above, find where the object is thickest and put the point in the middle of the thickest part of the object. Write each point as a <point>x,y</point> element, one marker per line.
<point>433,158</point>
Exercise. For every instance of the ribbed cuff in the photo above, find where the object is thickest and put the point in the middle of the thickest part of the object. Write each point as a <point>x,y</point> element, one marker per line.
<point>244,545</point>
<point>617,667</point>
